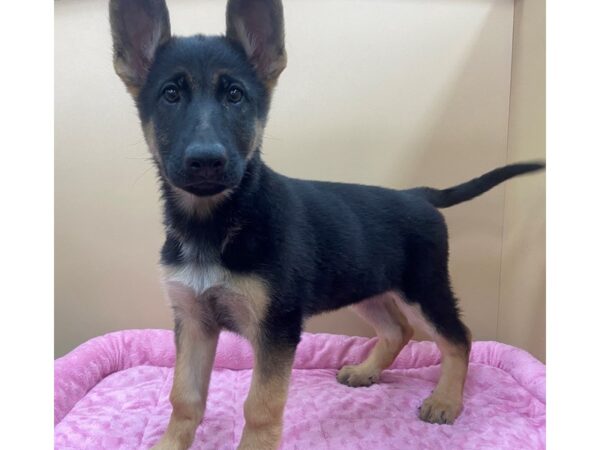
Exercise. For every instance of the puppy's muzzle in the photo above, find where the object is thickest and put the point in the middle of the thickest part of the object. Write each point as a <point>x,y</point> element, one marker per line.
<point>205,164</point>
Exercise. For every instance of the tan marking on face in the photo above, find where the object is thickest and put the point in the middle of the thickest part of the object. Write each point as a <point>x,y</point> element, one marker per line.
<point>259,128</point>
<point>150,135</point>
<point>193,205</point>
<point>196,347</point>
<point>217,74</point>
<point>201,207</point>
<point>393,332</point>
<point>265,404</point>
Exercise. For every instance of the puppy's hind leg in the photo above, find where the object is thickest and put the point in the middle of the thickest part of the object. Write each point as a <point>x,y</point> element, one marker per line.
<point>453,339</point>
<point>393,332</point>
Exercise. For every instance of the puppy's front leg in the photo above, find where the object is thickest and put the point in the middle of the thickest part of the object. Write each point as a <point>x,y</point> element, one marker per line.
<point>263,409</point>
<point>196,340</point>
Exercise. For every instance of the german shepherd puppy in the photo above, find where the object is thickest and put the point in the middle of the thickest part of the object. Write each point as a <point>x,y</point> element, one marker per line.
<point>253,251</point>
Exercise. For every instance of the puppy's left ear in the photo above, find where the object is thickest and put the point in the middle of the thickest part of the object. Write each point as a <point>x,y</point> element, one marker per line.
<point>257,25</point>
<point>138,28</point>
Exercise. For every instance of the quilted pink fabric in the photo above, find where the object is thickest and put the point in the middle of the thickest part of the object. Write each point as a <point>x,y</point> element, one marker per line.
<point>112,393</point>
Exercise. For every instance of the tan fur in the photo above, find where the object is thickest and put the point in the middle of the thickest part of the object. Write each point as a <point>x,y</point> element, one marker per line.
<point>259,128</point>
<point>256,293</point>
<point>393,320</point>
<point>196,346</point>
<point>201,207</point>
<point>246,299</point>
<point>127,76</point>
<point>264,406</point>
<point>275,69</point>
<point>216,76</point>
<point>445,402</point>
<point>393,332</point>
<point>150,136</point>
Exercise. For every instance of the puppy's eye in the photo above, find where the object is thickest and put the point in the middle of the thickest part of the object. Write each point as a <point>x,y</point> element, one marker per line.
<point>171,93</point>
<point>235,94</point>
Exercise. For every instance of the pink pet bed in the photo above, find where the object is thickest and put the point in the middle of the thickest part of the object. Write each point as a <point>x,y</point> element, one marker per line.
<point>112,393</point>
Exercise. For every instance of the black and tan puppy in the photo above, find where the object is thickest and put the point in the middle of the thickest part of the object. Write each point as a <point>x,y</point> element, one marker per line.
<point>253,251</point>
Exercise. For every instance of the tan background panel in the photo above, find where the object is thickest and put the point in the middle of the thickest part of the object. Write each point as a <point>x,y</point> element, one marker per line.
<point>393,93</point>
<point>522,303</point>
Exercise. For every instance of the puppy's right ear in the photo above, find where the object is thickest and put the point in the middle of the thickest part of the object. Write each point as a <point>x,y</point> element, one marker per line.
<point>138,28</point>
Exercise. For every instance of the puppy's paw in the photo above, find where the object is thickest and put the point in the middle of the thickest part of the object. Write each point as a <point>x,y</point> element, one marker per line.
<point>164,445</point>
<point>440,410</point>
<point>357,376</point>
<point>169,443</point>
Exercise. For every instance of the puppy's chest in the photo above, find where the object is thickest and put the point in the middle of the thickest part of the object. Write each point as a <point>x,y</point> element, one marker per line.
<point>232,300</point>
<point>199,268</point>
<point>200,277</point>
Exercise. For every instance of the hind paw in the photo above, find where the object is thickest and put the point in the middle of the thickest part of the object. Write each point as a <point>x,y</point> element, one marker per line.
<point>357,376</point>
<point>440,410</point>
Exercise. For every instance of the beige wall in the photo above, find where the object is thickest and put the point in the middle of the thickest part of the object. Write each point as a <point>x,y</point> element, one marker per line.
<point>394,93</point>
<point>522,305</point>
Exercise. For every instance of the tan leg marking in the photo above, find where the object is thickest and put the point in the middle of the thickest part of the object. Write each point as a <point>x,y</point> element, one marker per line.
<point>196,346</point>
<point>393,332</point>
<point>245,299</point>
<point>445,402</point>
<point>264,406</point>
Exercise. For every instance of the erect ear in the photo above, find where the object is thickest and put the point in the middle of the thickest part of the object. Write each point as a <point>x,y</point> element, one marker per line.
<point>138,28</point>
<point>257,25</point>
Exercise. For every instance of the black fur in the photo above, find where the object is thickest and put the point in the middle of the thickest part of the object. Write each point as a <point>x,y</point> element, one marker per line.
<point>443,198</point>
<point>320,245</point>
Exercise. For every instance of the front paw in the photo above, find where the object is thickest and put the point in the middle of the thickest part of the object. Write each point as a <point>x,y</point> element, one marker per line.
<point>166,444</point>
<point>263,438</point>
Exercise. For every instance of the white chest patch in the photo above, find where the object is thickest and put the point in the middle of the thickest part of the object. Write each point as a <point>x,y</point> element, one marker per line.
<point>199,278</point>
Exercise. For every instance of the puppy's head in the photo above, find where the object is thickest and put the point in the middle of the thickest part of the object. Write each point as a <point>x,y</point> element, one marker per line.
<point>203,100</point>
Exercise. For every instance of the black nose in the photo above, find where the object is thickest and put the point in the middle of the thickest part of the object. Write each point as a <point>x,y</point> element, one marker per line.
<point>205,162</point>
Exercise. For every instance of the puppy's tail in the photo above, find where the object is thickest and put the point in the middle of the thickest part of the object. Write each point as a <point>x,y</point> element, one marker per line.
<point>443,198</point>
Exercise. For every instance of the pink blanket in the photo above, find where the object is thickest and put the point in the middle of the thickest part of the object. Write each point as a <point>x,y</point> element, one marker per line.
<point>112,393</point>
